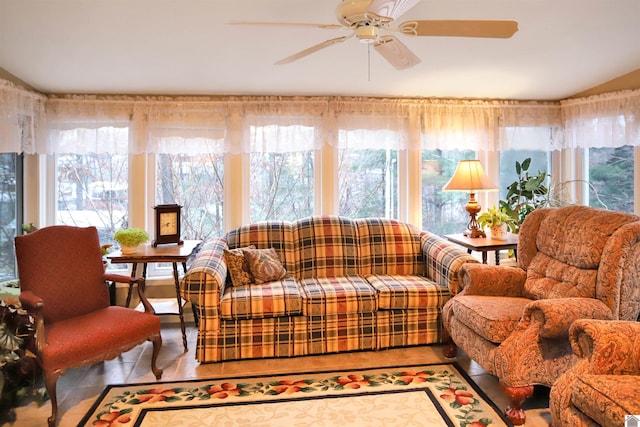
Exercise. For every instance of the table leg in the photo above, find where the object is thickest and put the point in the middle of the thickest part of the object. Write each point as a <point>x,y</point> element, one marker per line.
<point>134,269</point>
<point>484,257</point>
<point>497,257</point>
<point>180,311</point>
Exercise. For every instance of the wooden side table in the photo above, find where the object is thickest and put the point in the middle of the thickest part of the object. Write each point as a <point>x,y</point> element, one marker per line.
<point>484,244</point>
<point>165,253</point>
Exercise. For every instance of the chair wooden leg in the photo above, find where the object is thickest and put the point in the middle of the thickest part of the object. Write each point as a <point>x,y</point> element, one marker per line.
<point>50,380</point>
<point>157,343</point>
<point>516,395</point>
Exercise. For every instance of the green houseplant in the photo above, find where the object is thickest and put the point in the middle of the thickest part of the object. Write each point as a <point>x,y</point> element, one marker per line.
<point>497,220</point>
<point>130,238</point>
<point>18,364</point>
<point>525,194</point>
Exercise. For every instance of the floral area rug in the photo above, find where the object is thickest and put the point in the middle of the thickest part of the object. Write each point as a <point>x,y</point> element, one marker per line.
<point>427,395</point>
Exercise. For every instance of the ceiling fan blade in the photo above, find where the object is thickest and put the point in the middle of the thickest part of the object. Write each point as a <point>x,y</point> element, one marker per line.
<point>469,28</point>
<point>312,49</point>
<point>396,52</point>
<point>391,8</point>
<point>288,24</point>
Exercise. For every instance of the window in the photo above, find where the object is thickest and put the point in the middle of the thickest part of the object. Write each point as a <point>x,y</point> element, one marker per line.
<point>611,178</point>
<point>368,181</point>
<point>10,211</point>
<point>195,183</point>
<point>443,212</point>
<point>281,172</point>
<point>524,142</point>
<point>368,173</point>
<point>92,189</point>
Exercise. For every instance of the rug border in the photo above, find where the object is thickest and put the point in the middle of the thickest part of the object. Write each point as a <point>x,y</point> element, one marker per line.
<point>432,398</point>
<point>455,364</point>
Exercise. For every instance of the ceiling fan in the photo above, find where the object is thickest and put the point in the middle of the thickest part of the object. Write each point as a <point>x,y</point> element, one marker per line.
<point>368,19</point>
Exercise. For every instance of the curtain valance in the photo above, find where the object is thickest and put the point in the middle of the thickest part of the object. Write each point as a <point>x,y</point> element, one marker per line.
<point>35,123</point>
<point>608,120</point>
<point>21,117</point>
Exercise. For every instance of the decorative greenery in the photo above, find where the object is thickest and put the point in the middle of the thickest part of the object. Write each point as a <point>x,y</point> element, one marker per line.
<point>495,217</point>
<point>18,363</point>
<point>131,236</point>
<point>524,195</point>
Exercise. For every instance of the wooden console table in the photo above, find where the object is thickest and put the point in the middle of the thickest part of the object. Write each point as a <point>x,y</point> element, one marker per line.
<point>484,244</point>
<point>165,253</point>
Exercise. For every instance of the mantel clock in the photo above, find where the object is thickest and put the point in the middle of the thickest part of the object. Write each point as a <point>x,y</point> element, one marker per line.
<point>167,224</point>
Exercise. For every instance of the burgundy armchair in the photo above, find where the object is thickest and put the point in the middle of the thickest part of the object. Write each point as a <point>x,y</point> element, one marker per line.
<point>64,286</point>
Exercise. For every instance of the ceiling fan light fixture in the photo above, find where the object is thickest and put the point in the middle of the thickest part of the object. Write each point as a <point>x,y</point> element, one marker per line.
<point>367,34</point>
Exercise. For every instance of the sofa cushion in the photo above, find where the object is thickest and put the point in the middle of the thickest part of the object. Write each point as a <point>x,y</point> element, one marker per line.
<point>494,322</point>
<point>388,246</point>
<point>255,301</point>
<point>267,234</point>
<point>337,295</point>
<point>407,292</point>
<point>326,246</point>
<point>606,399</point>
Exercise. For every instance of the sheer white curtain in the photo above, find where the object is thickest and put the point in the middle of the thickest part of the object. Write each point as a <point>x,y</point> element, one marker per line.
<point>481,125</point>
<point>21,118</point>
<point>608,120</point>
<point>192,125</point>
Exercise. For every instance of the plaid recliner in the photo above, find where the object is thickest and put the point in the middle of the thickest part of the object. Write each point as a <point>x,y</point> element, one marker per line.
<point>352,284</point>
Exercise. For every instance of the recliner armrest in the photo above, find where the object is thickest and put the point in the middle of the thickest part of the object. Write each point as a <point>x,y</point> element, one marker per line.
<point>612,347</point>
<point>556,315</point>
<point>497,280</point>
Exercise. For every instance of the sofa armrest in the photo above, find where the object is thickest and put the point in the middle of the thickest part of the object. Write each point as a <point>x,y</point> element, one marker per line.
<point>494,280</point>
<point>556,315</point>
<point>443,260</point>
<point>612,347</point>
<point>205,279</point>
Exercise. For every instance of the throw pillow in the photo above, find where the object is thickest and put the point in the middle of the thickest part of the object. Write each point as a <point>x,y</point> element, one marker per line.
<point>265,265</point>
<point>238,266</point>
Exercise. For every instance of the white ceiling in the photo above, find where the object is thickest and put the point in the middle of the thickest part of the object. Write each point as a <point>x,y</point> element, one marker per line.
<point>185,47</point>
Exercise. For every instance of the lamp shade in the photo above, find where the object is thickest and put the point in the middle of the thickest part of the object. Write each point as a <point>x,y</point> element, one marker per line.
<point>469,176</point>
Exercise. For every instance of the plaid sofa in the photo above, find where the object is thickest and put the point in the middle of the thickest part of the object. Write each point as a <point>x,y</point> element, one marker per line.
<point>351,284</point>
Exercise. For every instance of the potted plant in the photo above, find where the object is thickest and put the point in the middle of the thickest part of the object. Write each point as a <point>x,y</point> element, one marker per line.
<point>18,364</point>
<point>524,195</point>
<point>498,221</point>
<point>130,238</point>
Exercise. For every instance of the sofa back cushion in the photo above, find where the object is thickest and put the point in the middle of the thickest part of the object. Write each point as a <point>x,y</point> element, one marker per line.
<point>264,235</point>
<point>325,246</point>
<point>569,249</point>
<point>388,246</point>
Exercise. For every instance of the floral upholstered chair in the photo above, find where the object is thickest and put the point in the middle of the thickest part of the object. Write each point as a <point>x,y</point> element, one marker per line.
<point>574,262</point>
<point>604,385</point>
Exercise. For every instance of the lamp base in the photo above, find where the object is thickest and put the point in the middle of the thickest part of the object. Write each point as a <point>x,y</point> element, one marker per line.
<point>474,232</point>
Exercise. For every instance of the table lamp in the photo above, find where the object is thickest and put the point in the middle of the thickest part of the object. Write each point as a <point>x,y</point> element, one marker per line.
<point>469,176</point>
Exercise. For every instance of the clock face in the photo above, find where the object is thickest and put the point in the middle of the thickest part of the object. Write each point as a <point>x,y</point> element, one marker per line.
<point>168,223</point>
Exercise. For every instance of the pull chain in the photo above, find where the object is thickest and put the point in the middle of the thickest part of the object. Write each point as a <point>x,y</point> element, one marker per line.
<point>369,62</point>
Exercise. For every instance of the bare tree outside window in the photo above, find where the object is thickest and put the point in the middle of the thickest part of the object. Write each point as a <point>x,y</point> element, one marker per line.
<point>282,185</point>
<point>368,183</point>
<point>92,189</point>
<point>196,183</point>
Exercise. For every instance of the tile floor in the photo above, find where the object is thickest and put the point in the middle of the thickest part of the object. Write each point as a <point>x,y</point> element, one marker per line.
<point>79,388</point>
